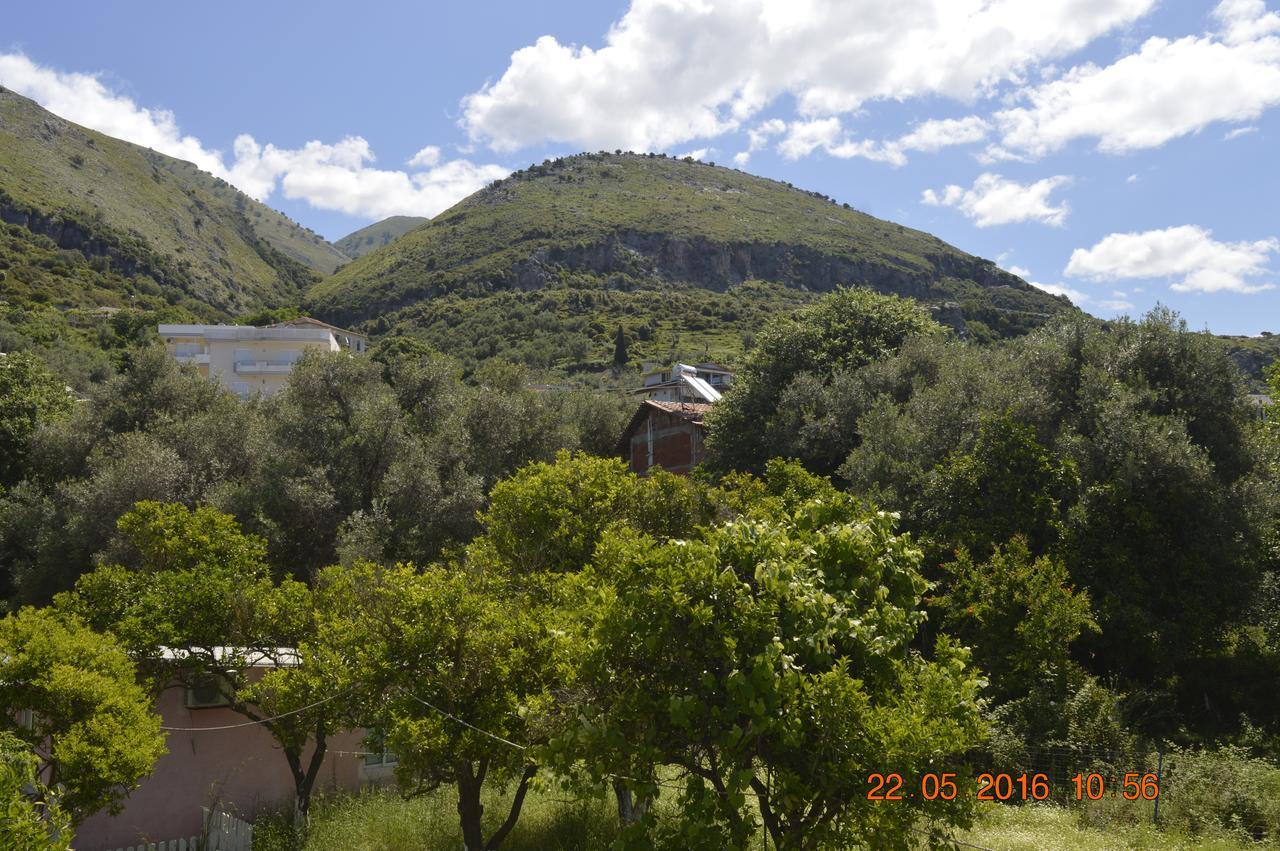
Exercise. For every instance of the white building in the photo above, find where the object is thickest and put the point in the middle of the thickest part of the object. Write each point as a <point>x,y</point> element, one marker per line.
<point>701,383</point>
<point>248,360</point>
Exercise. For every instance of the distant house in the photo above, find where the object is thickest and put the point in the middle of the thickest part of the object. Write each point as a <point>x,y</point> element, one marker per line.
<point>664,434</point>
<point>237,770</point>
<point>702,383</point>
<point>248,360</point>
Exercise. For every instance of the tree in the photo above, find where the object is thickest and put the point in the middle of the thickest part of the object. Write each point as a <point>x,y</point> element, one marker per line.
<point>456,672</point>
<point>1006,485</point>
<point>1018,613</point>
<point>843,330</point>
<point>91,725</point>
<point>768,658</point>
<point>30,815</point>
<point>194,599</point>
<point>29,396</point>
<point>620,356</point>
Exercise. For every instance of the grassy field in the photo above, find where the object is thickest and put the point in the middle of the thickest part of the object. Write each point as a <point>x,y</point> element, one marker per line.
<point>553,820</point>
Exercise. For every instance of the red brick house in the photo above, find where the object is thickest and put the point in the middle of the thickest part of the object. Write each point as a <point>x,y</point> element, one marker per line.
<point>664,434</point>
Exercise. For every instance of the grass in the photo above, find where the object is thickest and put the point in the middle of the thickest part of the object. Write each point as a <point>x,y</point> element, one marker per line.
<point>381,820</point>
<point>553,820</point>
<point>1045,827</point>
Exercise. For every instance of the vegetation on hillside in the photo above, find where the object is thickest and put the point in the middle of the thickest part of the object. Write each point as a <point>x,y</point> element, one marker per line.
<point>644,236</point>
<point>149,214</point>
<point>378,234</point>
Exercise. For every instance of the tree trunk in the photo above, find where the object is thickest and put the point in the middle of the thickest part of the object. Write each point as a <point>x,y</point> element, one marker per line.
<point>630,809</point>
<point>470,809</point>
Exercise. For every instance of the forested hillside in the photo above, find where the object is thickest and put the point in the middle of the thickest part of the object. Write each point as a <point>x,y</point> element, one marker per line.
<point>100,239</point>
<point>687,257</point>
<point>377,235</point>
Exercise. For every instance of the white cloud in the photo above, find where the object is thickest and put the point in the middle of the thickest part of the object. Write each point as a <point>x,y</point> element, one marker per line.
<point>1133,178</point>
<point>1165,90</point>
<point>741,158</point>
<point>699,154</point>
<point>758,137</point>
<point>803,137</point>
<point>1238,132</point>
<point>995,200</point>
<point>1188,252</point>
<point>1246,20</point>
<point>1021,271</point>
<point>328,176</point>
<point>1077,298</point>
<point>674,70</point>
<point>428,157</point>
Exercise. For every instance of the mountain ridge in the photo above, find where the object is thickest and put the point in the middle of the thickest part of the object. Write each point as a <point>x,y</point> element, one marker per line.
<point>84,190</point>
<point>378,234</point>
<point>626,224</point>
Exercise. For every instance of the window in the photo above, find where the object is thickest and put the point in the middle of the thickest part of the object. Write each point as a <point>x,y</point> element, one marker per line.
<point>207,691</point>
<point>375,745</point>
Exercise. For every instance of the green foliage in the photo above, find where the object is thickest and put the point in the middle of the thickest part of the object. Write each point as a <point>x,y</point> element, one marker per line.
<point>30,815</point>
<point>431,648</point>
<point>1019,613</point>
<point>550,517</point>
<point>768,659</point>
<point>1006,485</point>
<point>91,724</point>
<point>844,330</point>
<point>1226,789</point>
<point>200,602</point>
<point>29,395</point>
<point>1125,451</point>
<point>628,219</point>
<point>378,234</point>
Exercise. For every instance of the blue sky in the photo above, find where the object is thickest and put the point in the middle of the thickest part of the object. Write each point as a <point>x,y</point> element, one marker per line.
<point>1121,151</point>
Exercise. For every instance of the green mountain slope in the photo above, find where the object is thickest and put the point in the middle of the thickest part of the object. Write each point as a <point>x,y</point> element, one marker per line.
<point>552,259</point>
<point>95,194</point>
<point>378,234</point>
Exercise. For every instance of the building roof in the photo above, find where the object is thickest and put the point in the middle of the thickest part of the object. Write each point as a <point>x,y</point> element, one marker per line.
<point>245,332</point>
<point>307,321</point>
<point>274,657</point>
<point>690,412</point>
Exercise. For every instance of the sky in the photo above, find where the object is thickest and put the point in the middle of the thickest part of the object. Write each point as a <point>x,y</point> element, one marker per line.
<point>1120,152</point>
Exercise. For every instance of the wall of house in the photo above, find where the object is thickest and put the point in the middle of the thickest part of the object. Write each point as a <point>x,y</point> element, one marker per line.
<point>271,359</point>
<point>240,770</point>
<point>677,444</point>
<point>265,356</point>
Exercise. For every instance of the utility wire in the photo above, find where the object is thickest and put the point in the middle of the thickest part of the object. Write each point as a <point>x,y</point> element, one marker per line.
<point>252,723</point>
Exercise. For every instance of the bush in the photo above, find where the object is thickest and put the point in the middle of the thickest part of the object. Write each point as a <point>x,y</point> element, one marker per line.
<point>1227,788</point>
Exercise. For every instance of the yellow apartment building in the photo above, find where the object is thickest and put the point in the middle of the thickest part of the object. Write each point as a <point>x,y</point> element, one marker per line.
<point>248,360</point>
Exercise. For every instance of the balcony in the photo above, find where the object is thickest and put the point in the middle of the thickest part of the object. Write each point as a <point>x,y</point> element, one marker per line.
<point>192,357</point>
<point>263,367</point>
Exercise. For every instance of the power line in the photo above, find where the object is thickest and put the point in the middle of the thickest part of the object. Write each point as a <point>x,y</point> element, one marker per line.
<point>455,718</point>
<point>252,723</point>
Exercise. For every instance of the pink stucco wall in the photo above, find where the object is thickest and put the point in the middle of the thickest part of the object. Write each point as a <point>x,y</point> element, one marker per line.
<point>239,770</point>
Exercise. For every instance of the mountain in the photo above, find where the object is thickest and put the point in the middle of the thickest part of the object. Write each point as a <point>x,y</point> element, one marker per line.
<point>377,235</point>
<point>688,257</point>
<point>194,235</point>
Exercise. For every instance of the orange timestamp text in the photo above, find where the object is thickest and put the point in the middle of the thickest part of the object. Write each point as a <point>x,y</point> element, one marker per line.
<point>1134,786</point>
